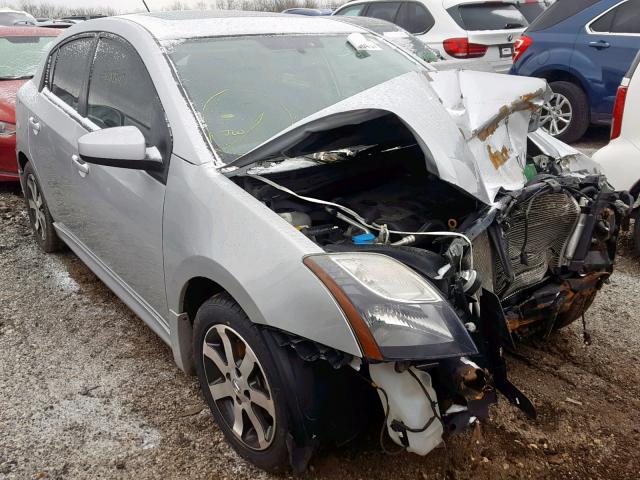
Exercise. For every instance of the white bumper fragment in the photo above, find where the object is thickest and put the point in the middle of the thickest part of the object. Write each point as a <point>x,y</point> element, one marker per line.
<point>403,395</point>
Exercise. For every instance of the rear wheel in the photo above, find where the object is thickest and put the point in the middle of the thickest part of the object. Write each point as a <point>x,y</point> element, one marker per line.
<point>240,382</point>
<point>566,114</point>
<point>39,215</point>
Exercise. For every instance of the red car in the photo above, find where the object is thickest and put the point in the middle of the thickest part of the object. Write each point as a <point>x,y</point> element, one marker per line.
<point>21,49</point>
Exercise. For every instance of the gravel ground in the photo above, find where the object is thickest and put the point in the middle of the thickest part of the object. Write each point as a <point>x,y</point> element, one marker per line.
<point>88,391</point>
<point>595,138</point>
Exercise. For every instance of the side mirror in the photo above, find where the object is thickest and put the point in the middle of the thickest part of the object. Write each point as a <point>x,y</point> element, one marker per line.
<point>122,147</point>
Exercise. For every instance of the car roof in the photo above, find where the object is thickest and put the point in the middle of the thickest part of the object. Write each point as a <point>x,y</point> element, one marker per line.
<point>11,10</point>
<point>217,23</point>
<point>29,32</point>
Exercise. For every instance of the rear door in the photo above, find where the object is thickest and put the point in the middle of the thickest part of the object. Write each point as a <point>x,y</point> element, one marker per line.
<point>609,42</point>
<point>55,124</point>
<point>496,25</point>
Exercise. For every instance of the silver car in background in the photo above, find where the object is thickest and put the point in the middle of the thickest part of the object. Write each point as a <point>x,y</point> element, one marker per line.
<point>322,227</point>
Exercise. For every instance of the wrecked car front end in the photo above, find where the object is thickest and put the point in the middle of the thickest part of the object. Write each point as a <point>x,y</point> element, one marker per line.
<point>448,226</point>
<point>528,262</point>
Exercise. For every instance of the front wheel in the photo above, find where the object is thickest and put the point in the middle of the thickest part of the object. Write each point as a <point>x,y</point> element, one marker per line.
<point>240,383</point>
<point>566,114</point>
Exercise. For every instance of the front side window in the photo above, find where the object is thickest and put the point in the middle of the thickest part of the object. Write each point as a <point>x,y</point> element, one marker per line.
<point>70,70</point>
<point>623,19</point>
<point>488,16</point>
<point>414,18</point>
<point>604,23</point>
<point>121,92</point>
<point>20,55</point>
<point>383,10</point>
<point>352,11</point>
<point>247,89</point>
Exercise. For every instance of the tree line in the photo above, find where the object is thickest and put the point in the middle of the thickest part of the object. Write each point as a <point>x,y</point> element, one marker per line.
<point>50,10</point>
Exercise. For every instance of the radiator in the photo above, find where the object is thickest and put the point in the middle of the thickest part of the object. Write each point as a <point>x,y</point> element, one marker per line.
<point>551,220</point>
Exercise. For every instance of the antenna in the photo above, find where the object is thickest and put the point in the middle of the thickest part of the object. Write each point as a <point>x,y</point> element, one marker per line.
<point>146,6</point>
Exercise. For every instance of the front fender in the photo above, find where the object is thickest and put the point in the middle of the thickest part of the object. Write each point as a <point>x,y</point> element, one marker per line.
<point>214,229</point>
<point>200,266</point>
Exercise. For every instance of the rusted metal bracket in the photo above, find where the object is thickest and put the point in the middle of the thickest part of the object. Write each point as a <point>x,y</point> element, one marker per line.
<point>490,317</point>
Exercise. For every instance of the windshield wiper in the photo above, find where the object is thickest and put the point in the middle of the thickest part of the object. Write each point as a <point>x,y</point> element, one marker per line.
<point>513,25</point>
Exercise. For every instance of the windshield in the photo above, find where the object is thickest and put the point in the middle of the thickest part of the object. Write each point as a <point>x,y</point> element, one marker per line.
<point>247,89</point>
<point>488,16</point>
<point>19,56</point>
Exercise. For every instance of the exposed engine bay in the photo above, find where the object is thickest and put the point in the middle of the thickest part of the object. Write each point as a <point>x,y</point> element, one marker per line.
<point>528,264</point>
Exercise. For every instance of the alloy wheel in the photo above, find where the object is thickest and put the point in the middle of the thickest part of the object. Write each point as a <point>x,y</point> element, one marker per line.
<point>239,387</point>
<point>36,207</point>
<point>556,115</point>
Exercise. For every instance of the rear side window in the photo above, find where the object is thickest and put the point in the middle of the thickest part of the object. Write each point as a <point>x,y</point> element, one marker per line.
<point>414,18</point>
<point>624,18</point>
<point>352,11</point>
<point>121,93</point>
<point>488,16</point>
<point>559,12</point>
<point>70,70</point>
<point>383,10</point>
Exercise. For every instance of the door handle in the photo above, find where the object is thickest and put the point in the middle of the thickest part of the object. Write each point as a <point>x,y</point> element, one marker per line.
<point>35,125</point>
<point>83,168</point>
<point>600,44</point>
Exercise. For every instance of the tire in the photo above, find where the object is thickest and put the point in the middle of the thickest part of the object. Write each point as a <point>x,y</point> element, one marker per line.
<point>236,387</point>
<point>39,216</point>
<point>576,111</point>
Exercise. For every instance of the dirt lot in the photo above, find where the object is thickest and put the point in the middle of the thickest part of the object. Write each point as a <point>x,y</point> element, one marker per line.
<point>88,391</point>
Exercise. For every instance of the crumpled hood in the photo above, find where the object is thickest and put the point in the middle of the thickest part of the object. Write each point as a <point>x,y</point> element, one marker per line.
<point>8,91</point>
<point>471,126</point>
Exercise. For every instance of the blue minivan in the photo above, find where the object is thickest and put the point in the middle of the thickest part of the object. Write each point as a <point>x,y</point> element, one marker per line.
<point>582,48</point>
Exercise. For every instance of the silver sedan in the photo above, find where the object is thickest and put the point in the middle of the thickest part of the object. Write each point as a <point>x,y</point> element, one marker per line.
<point>323,228</point>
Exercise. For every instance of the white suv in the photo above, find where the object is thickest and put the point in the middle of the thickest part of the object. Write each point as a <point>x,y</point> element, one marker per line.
<point>459,29</point>
<point>620,159</point>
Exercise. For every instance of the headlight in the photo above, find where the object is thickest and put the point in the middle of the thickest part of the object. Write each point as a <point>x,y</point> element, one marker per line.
<point>7,129</point>
<point>394,312</point>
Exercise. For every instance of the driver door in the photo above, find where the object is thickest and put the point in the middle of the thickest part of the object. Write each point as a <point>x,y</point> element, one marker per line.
<point>118,211</point>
